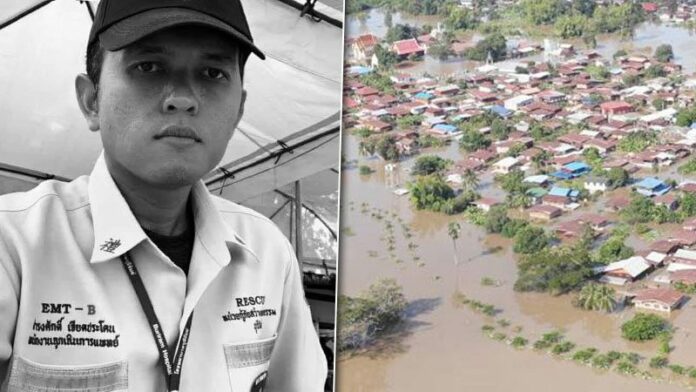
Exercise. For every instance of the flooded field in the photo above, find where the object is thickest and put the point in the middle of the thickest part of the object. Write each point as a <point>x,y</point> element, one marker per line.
<point>441,344</point>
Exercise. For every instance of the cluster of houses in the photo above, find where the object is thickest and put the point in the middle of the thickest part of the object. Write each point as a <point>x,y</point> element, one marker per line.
<point>599,114</point>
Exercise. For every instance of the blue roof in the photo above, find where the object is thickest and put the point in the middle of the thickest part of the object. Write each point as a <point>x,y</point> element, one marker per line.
<point>560,191</point>
<point>446,128</point>
<point>424,95</point>
<point>693,125</point>
<point>577,165</point>
<point>359,70</point>
<point>563,175</point>
<point>650,183</point>
<point>500,110</point>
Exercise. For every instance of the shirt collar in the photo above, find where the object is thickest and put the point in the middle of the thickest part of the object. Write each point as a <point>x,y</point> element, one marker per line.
<point>117,231</point>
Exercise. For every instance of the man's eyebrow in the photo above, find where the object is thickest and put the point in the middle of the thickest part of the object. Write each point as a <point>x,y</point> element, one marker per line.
<point>220,57</point>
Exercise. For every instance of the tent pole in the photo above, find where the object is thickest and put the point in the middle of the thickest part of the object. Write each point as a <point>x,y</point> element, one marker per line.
<point>23,14</point>
<point>298,222</point>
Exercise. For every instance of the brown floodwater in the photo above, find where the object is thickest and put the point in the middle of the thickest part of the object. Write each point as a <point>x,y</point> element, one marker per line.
<point>441,344</point>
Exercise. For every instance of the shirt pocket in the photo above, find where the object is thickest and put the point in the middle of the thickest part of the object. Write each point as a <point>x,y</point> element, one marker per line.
<point>247,364</point>
<point>28,376</point>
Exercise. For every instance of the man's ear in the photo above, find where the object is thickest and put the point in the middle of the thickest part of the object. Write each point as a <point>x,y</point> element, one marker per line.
<point>87,99</point>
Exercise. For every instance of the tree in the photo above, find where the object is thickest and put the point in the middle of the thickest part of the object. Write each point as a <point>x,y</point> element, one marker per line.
<point>539,12</point>
<point>569,26</point>
<point>554,269</point>
<point>366,317</point>
<point>470,180</point>
<point>584,7</point>
<point>494,44</point>
<point>617,177</point>
<point>613,249</point>
<point>637,141</point>
<point>386,147</point>
<point>664,53</point>
<point>473,140</point>
<point>686,117</point>
<point>659,103</point>
<point>513,181</point>
<point>644,327</point>
<point>386,58</point>
<point>453,230</point>
<point>655,71</point>
<point>620,53</point>
<point>428,164</point>
<point>687,205</point>
<point>595,296</point>
<point>639,210</point>
<point>440,50</point>
<point>430,193</point>
<point>499,129</point>
<point>409,121</point>
<point>461,19</point>
<point>530,239</point>
<point>400,32</point>
<point>496,219</point>
<point>597,72</point>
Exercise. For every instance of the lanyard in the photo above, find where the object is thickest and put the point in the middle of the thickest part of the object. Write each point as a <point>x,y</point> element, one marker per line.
<point>172,373</point>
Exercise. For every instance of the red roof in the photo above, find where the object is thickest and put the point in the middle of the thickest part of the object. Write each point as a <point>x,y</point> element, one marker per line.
<point>367,40</point>
<point>650,7</point>
<point>615,105</point>
<point>365,91</point>
<point>684,276</point>
<point>667,296</point>
<point>407,47</point>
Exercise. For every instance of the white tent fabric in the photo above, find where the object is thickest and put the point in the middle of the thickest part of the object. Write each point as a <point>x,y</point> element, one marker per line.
<point>296,88</point>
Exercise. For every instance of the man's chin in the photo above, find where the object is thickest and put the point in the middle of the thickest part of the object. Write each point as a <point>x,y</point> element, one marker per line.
<point>174,177</point>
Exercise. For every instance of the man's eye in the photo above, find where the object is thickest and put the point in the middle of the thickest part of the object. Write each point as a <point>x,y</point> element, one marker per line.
<point>214,73</point>
<point>148,67</point>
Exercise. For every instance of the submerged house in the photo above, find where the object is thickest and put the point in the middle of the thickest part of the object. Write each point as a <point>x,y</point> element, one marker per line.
<point>623,271</point>
<point>651,186</point>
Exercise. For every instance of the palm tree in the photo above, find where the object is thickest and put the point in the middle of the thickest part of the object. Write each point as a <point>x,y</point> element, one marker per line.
<point>541,161</point>
<point>453,229</point>
<point>470,180</point>
<point>594,296</point>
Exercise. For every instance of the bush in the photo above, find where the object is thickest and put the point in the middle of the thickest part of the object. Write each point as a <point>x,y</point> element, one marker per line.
<point>584,356</point>
<point>658,362</point>
<point>519,342</point>
<point>626,368</point>
<point>563,347</point>
<point>602,361</point>
<point>644,327</point>
<point>677,369</point>
<point>365,170</point>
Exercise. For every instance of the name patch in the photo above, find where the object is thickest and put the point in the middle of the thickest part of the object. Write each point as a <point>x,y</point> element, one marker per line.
<point>55,331</point>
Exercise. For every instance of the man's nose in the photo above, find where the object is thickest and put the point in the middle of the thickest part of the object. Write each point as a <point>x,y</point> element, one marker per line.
<point>181,98</point>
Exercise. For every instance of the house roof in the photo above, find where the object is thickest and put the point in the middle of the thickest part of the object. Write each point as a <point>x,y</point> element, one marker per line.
<point>633,266</point>
<point>650,183</point>
<point>407,47</point>
<point>667,296</point>
<point>577,165</point>
<point>614,105</point>
<point>685,276</point>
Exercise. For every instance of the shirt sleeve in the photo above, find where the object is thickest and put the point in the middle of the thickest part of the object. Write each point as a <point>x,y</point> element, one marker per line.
<point>9,301</point>
<point>297,363</point>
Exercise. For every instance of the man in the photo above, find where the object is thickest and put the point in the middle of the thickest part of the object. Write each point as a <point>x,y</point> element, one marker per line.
<point>136,278</point>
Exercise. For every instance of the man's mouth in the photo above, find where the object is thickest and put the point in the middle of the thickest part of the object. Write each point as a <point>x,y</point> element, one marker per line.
<point>179,132</point>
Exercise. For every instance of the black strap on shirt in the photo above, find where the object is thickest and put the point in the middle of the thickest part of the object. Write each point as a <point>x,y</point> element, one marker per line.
<point>172,368</point>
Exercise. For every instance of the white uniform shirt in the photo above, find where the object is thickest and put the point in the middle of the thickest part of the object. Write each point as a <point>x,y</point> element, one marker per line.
<point>70,318</point>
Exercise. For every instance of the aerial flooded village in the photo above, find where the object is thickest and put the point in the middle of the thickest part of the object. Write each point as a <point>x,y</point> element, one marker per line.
<point>556,136</point>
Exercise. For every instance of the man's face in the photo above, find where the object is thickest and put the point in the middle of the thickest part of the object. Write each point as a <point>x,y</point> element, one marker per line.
<point>168,105</point>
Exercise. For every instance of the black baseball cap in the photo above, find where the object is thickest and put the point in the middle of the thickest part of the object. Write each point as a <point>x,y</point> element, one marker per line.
<point>119,23</point>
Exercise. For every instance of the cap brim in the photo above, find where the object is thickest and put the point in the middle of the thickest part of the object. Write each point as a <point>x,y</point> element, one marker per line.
<point>130,30</point>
